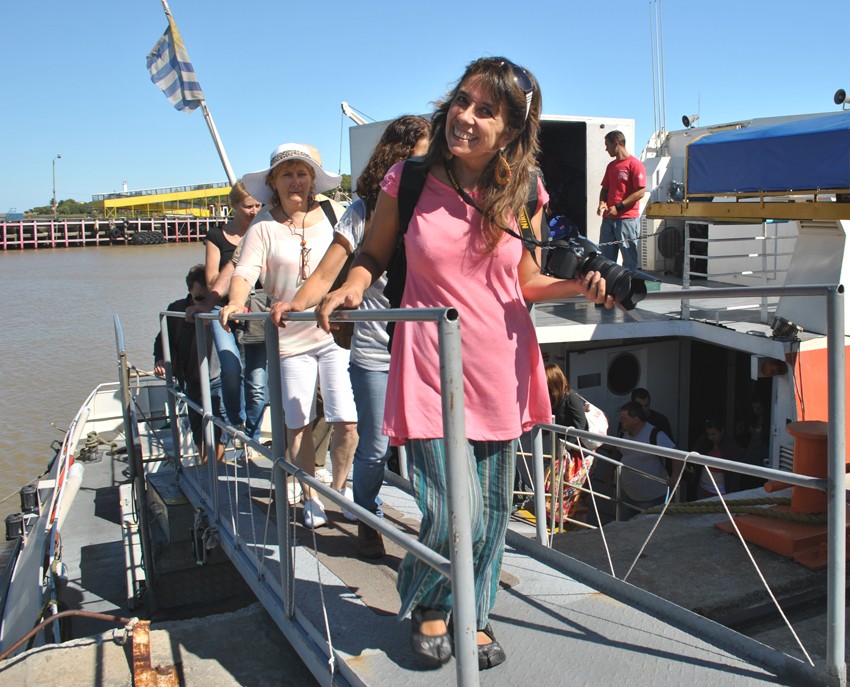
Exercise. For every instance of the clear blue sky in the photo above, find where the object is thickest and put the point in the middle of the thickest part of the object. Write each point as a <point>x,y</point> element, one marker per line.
<point>75,83</point>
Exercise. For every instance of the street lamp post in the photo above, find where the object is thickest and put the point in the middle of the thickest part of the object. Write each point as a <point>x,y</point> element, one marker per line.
<point>58,157</point>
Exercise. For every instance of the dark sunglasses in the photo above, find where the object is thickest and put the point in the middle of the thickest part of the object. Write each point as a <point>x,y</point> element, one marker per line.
<point>523,80</point>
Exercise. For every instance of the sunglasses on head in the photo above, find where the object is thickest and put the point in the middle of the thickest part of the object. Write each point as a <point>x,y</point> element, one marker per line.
<point>523,80</point>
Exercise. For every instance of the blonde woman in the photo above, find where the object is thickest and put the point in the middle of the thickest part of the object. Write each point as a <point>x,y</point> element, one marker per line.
<point>244,387</point>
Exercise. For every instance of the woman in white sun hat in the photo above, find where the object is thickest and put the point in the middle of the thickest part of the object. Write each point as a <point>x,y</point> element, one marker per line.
<point>285,242</point>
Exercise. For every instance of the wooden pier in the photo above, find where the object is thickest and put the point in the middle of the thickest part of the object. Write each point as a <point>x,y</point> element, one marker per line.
<point>66,233</point>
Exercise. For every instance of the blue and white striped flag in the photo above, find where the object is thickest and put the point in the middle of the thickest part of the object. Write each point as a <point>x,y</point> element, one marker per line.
<point>171,70</point>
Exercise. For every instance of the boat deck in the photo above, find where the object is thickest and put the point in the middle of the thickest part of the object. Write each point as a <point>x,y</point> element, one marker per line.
<point>556,627</point>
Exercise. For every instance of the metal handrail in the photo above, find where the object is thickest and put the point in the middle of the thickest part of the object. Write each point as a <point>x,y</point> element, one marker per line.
<point>834,485</point>
<point>459,568</point>
<point>451,377</point>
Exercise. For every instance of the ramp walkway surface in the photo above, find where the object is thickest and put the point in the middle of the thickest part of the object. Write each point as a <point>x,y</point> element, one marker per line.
<point>581,627</point>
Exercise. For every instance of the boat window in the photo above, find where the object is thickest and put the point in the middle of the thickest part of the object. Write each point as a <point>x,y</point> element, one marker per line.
<point>623,374</point>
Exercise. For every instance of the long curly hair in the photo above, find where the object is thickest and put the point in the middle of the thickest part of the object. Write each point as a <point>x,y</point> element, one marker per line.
<point>396,144</point>
<point>500,204</point>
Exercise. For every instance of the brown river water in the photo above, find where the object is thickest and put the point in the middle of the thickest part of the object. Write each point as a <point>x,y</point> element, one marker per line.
<point>59,306</point>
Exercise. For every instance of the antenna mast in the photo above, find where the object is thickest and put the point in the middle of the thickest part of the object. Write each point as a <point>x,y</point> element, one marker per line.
<point>659,94</point>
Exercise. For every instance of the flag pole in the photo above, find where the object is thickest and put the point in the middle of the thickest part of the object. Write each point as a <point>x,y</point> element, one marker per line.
<point>218,144</point>
<point>228,170</point>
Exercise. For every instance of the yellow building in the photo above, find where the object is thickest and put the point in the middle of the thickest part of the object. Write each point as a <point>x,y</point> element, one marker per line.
<point>202,200</point>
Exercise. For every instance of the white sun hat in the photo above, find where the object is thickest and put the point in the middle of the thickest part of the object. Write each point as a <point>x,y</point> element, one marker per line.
<point>255,182</point>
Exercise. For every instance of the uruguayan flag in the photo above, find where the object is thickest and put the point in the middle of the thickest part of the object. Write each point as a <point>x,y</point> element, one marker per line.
<point>171,70</point>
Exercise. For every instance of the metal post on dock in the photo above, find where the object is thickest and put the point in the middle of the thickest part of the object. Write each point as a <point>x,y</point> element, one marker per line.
<point>539,479</point>
<point>457,480</point>
<point>134,461</point>
<point>58,157</point>
<point>169,382</point>
<point>279,476</point>
<point>836,494</point>
<point>206,401</point>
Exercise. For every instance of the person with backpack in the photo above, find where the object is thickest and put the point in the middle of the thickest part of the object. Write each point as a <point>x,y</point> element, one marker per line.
<point>476,178</point>
<point>281,248</point>
<point>640,491</point>
<point>370,360</point>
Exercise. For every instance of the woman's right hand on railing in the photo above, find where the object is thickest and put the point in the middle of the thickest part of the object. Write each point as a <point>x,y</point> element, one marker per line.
<point>229,311</point>
<point>346,297</point>
<point>280,309</point>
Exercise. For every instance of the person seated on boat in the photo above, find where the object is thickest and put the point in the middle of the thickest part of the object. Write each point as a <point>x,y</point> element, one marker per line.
<point>244,385</point>
<point>281,249</point>
<point>642,492</point>
<point>184,352</point>
<point>716,443</point>
<point>479,161</point>
<point>370,360</point>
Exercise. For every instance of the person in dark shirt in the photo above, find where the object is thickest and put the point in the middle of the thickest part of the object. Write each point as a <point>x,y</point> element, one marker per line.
<point>184,351</point>
<point>653,417</point>
<point>715,442</point>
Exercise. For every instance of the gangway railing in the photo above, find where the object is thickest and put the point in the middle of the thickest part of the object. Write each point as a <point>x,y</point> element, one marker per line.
<point>283,608</point>
<point>280,600</point>
<point>761,257</point>
<point>834,485</point>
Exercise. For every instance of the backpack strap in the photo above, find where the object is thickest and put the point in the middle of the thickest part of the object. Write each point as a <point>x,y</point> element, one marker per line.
<point>328,208</point>
<point>653,436</point>
<point>531,201</point>
<point>411,183</point>
<point>413,175</point>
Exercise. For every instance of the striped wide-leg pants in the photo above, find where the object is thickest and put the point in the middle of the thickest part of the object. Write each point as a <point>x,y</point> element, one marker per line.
<point>490,467</point>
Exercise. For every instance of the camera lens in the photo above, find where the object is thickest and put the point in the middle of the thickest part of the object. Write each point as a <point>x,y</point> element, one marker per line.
<point>623,284</point>
<point>566,259</point>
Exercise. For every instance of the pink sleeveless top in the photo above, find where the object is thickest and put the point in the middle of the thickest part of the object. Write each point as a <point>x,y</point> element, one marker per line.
<point>504,379</point>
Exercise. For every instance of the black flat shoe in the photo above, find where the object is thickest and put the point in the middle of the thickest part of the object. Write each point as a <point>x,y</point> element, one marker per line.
<point>492,654</point>
<point>431,652</point>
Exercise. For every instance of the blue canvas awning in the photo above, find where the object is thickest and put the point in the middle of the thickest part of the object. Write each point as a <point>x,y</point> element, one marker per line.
<point>806,155</point>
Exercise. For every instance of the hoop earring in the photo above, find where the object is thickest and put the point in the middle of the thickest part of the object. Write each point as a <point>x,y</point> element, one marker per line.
<point>502,171</point>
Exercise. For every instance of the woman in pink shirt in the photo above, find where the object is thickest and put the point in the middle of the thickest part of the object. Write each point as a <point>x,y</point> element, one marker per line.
<point>480,161</point>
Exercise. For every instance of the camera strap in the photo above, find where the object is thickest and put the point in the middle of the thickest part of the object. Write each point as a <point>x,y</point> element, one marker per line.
<point>528,239</point>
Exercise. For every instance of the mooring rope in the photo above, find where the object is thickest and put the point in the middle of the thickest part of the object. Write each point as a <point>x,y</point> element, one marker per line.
<point>745,506</point>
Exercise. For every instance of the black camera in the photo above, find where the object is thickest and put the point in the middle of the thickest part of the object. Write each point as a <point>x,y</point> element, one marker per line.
<point>575,257</point>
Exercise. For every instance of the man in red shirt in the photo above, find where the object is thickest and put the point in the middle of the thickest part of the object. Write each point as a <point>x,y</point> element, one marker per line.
<point>623,186</point>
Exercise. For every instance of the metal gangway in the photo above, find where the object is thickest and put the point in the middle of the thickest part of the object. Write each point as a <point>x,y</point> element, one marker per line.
<point>561,619</point>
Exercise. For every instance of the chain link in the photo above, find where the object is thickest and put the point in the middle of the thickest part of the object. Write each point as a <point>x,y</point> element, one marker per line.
<point>636,239</point>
